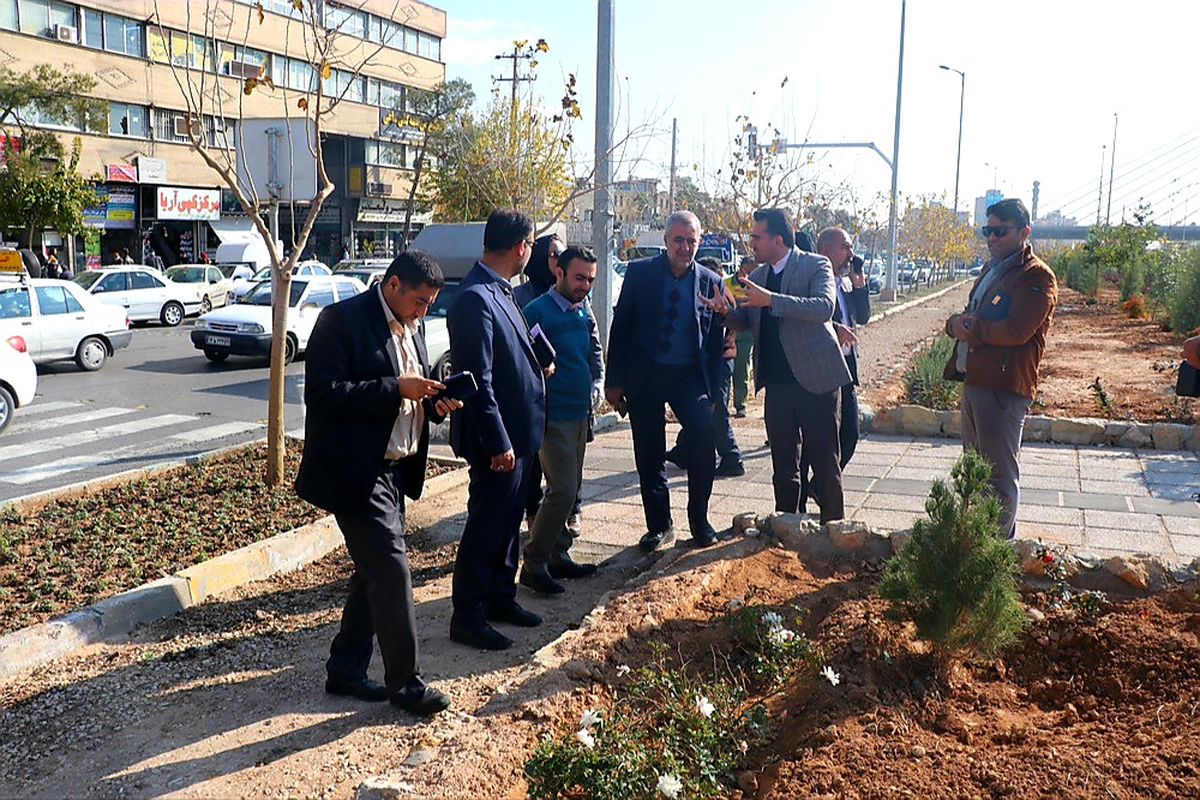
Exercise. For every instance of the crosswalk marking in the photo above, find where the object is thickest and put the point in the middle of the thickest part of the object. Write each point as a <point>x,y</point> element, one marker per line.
<point>94,415</point>
<point>95,435</point>
<point>45,408</point>
<point>122,455</point>
<point>216,432</point>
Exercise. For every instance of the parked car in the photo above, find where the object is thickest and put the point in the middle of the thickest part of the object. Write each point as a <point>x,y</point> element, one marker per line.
<point>437,336</point>
<point>145,295</point>
<point>58,320</point>
<point>236,270</point>
<point>244,329</point>
<point>18,378</point>
<point>369,271</point>
<point>644,251</point>
<point>240,290</point>
<point>362,264</point>
<point>214,286</point>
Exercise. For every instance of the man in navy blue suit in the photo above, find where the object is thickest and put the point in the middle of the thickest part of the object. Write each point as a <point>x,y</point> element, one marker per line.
<point>666,347</point>
<point>498,433</point>
<point>366,441</point>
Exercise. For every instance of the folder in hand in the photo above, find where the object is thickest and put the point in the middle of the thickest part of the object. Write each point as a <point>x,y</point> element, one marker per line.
<point>542,349</point>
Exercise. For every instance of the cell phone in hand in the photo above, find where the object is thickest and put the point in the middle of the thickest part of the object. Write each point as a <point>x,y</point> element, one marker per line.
<point>460,386</point>
<point>857,264</point>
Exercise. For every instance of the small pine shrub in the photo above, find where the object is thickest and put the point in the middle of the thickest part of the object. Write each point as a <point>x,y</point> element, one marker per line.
<point>1135,307</point>
<point>924,381</point>
<point>956,578</point>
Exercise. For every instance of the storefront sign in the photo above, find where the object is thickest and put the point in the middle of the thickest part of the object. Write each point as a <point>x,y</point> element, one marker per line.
<point>116,209</point>
<point>177,203</point>
<point>151,170</point>
<point>381,211</point>
<point>122,173</point>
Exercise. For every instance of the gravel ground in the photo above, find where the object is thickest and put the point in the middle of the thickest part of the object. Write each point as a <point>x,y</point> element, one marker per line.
<point>224,700</point>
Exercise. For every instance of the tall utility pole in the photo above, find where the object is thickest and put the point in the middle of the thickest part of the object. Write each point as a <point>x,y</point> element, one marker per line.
<point>601,207</point>
<point>671,189</point>
<point>1112,165</point>
<point>962,94</point>
<point>893,274</point>
<point>516,56</point>
<point>1100,191</point>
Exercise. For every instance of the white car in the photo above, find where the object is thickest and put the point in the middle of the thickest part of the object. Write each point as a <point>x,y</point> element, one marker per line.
<point>241,289</point>
<point>244,329</point>
<point>18,378</point>
<point>213,284</point>
<point>58,321</point>
<point>145,295</point>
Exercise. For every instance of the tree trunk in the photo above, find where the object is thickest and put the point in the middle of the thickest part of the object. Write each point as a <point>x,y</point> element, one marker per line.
<point>275,391</point>
<point>418,167</point>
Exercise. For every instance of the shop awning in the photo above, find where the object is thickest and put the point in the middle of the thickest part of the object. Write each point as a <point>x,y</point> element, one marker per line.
<point>232,231</point>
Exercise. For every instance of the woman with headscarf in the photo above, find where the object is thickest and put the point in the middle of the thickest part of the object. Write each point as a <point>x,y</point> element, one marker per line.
<point>539,277</point>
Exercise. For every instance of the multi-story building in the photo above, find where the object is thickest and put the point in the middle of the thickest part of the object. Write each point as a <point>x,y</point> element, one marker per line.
<point>158,193</point>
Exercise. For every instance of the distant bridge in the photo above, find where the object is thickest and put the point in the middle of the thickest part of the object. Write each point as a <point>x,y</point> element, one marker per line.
<point>1079,233</point>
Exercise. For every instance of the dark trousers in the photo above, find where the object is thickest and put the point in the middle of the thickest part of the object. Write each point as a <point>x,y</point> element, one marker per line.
<point>847,435</point>
<point>485,571</point>
<point>683,389</point>
<point>724,442</point>
<point>380,601</point>
<point>795,416</point>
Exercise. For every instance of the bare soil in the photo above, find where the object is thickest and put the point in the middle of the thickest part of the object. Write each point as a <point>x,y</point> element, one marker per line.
<point>1134,361</point>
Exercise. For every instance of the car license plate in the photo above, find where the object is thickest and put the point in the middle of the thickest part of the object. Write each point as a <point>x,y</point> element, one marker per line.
<point>218,341</point>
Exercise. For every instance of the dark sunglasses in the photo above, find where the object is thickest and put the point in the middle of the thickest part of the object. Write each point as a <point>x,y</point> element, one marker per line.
<point>999,231</point>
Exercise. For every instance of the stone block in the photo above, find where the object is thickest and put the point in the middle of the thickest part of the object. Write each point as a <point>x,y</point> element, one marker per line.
<point>779,524</point>
<point>1192,440</point>
<point>1136,436</point>
<point>743,521</point>
<point>1142,572</point>
<point>1169,435</point>
<point>911,420</point>
<point>866,418</point>
<point>847,534</point>
<point>951,423</point>
<point>1027,555</point>
<point>899,539</point>
<point>1082,430</point>
<point>1037,429</point>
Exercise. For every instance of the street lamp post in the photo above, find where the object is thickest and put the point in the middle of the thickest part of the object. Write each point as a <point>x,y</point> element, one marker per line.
<point>962,92</point>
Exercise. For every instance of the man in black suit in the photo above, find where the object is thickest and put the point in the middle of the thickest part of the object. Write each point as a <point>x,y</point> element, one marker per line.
<point>666,347</point>
<point>499,433</point>
<point>366,439</point>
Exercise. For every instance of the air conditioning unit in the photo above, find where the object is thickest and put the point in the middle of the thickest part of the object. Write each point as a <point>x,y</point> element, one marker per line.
<point>379,189</point>
<point>180,127</point>
<point>243,69</point>
<point>66,33</point>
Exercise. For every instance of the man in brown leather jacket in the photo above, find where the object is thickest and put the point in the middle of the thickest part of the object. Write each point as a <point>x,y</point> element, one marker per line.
<point>1001,337</point>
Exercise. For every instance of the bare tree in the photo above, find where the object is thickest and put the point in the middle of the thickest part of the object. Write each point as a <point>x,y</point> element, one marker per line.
<point>210,105</point>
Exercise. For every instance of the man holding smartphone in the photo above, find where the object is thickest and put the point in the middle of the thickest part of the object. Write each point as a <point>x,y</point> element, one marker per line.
<point>566,320</point>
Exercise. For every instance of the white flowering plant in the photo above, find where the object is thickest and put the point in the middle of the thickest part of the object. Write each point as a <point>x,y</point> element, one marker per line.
<point>768,646</point>
<point>676,731</point>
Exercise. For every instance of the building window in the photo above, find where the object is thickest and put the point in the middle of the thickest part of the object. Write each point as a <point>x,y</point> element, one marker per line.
<point>429,46</point>
<point>284,7</point>
<point>39,119</point>
<point>180,49</point>
<point>171,126</point>
<point>341,81</point>
<point>127,120</point>
<point>113,33</point>
<point>41,17</point>
<point>293,73</point>
<point>243,62</point>
<point>348,21</point>
<point>8,14</point>
<point>386,154</point>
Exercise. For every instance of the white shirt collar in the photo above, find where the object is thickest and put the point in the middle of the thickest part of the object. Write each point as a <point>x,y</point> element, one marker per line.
<point>779,265</point>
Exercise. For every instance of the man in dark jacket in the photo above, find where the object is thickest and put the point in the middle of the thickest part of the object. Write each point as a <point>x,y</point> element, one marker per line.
<point>366,442</point>
<point>666,347</point>
<point>1001,337</point>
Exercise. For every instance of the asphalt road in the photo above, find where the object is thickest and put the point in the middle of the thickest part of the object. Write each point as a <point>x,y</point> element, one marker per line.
<point>157,400</point>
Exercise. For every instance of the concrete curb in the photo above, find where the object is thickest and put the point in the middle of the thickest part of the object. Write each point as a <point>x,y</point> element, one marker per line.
<point>913,420</point>
<point>911,303</point>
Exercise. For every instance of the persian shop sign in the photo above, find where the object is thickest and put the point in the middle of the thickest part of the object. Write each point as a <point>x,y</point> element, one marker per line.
<point>177,203</point>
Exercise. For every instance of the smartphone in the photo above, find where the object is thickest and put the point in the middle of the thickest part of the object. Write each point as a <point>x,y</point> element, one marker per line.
<point>857,264</point>
<point>460,386</point>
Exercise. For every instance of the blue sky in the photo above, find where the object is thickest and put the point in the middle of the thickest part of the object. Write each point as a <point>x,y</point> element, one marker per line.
<point>1043,82</point>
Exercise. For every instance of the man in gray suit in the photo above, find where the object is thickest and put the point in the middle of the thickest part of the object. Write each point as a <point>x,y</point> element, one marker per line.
<point>789,307</point>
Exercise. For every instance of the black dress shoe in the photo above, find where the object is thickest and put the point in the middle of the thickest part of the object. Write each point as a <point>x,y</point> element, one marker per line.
<point>730,468</point>
<point>739,413</point>
<point>675,457</point>
<point>512,614</point>
<point>479,635</point>
<point>564,568</point>
<point>363,689</point>
<point>538,578</point>
<point>703,535</point>
<point>418,698</point>
<point>656,539</point>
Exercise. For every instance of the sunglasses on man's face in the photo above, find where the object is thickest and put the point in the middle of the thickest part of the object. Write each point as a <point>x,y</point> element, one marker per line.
<point>999,231</point>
